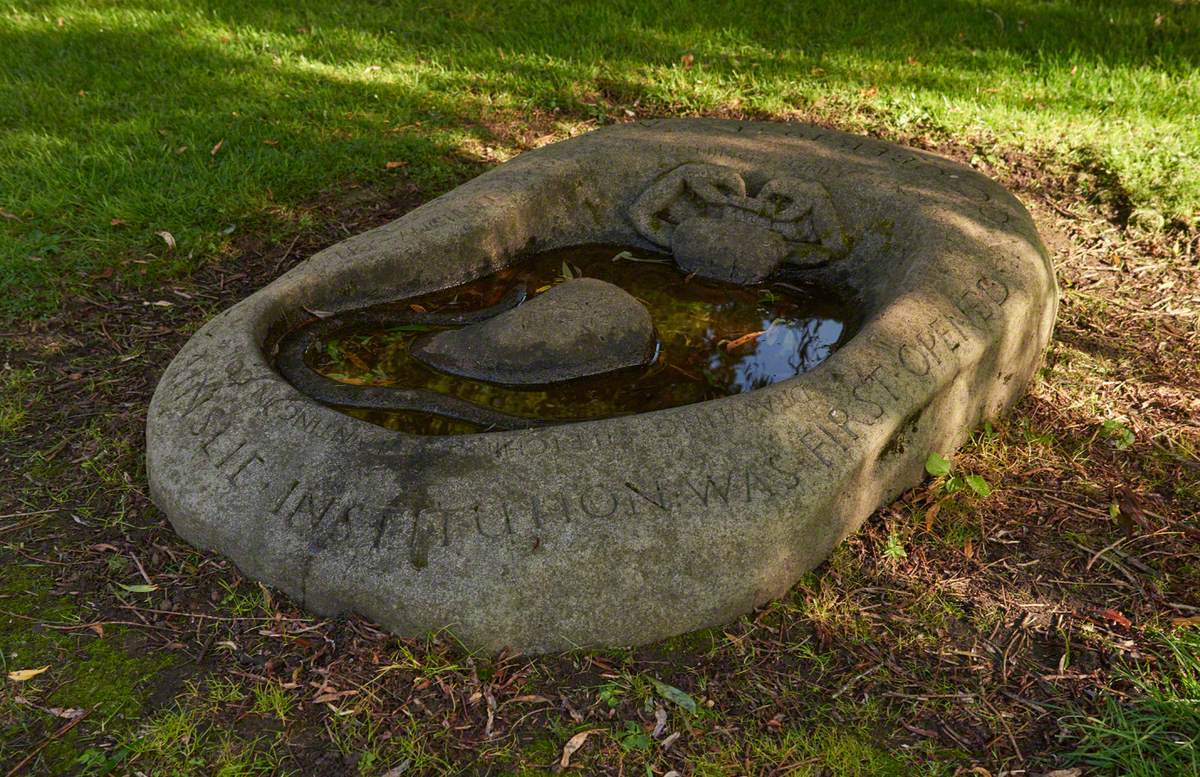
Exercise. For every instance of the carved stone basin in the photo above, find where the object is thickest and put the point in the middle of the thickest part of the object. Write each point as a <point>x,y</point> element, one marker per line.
<point>628,529</point>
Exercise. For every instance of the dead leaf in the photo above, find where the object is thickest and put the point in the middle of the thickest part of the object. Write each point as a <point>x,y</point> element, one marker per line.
<point>98,628</point>
<point>4,214</point>
<point>21,675</point>
<point>870,92</point>
<point>931,514</point>
<point>533,697</point>
<point>688,60</point>
<point>117,222</point>
<point>325,698</point>
<point>318,313</point>
<point>417,308</point>
<point>104,546</point>
<point>271,143</point>
<point>168,238</point>
<point>69,713</point>
<point>573,744</point>
<point>1115,617</point>
<point>968,548</point>
<point>396,771</point>
<point>217,147</point>
<point>180,150</point>
<point>394,164</point>
<point>660,721</point>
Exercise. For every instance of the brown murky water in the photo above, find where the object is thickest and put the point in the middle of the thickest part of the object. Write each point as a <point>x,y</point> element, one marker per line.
<point>714,340</point>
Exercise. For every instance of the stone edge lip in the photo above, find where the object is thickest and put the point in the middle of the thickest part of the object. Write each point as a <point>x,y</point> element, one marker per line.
<point>988,287</point>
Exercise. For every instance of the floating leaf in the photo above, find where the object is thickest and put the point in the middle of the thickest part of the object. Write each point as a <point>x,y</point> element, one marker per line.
<point>746,338</point>
<point>625,256</point>
<point>21,675</point>
<point>978,485</point>
<point>937,466</point>
<point>674,695</point>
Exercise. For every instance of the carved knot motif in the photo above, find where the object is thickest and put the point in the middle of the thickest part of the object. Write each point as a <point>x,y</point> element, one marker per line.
<point>705,215</point>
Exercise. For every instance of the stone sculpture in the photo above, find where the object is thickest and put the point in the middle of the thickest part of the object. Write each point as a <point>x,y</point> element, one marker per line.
<point>629,529</point>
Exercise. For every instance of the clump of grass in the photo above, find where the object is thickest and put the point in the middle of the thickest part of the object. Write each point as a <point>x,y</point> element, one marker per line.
<point>1156,731</point>
<point>14,396</point>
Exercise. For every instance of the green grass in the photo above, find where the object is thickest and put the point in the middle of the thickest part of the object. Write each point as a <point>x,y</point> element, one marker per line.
<point>1157,730</point>
<point>112,110</point>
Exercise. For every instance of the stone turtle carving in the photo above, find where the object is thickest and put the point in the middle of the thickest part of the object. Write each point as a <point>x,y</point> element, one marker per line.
<point>628,529</point>
<point>703,214</point>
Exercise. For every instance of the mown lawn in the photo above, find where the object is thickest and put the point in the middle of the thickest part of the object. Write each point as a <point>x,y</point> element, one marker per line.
<point>159,161</point>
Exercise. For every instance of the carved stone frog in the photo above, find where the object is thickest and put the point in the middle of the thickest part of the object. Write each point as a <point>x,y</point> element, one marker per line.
<point>715,229</point>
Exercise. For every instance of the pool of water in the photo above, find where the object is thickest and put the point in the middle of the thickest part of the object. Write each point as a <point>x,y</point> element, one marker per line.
<point>714,340</point>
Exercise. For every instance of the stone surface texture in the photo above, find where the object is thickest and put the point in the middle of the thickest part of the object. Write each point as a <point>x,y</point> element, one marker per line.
<point>580,327</point>
<point>630,529</point>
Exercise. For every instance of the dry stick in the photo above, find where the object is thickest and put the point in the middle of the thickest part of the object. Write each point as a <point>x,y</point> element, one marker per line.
<point>33,754</point>
<point>32,512</point>
<point>856,678</point>
<point>141,569</point>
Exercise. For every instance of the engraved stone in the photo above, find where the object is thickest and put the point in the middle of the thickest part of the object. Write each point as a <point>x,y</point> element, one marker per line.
<point>634,528</point>
<point>578,328</point>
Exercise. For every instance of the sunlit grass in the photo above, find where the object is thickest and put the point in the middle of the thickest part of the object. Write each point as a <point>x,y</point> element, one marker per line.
<point>112,111</point>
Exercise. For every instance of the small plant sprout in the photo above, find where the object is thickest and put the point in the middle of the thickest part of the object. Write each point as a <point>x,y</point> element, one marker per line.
<point>939,467</point>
